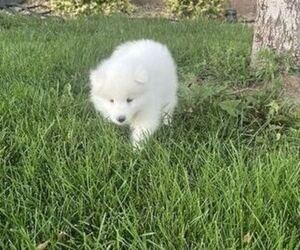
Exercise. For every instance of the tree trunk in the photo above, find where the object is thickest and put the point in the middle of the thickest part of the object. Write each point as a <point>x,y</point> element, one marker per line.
<point>277,27</point>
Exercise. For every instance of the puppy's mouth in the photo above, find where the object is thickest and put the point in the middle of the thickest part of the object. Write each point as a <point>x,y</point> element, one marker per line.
<point>120,123</point>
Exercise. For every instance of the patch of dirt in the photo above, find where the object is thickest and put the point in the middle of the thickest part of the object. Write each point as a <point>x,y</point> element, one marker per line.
<point>144,8</point>
<point>40,5</point>
<point>27,7</point>
<point>290,88</point>
<point>246,9</point>
<point>148,10</point>
<point>149,2</point>
<point>291,85</point>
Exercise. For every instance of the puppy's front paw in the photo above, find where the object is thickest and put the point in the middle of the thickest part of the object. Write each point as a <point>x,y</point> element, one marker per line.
<point>137,146</point>
<point>138,136</point>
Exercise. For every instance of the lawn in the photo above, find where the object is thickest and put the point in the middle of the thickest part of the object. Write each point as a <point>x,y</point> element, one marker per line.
<point>225,175</point>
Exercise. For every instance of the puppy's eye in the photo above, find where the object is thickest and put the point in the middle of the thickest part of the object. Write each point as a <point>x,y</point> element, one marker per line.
<point>129,100</point>
<point>111,100</point>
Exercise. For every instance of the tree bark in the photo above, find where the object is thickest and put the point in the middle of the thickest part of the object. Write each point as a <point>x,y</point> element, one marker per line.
<point>277,27</point>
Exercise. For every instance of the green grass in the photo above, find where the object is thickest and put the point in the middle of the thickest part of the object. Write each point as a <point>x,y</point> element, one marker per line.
<point>203,183</point>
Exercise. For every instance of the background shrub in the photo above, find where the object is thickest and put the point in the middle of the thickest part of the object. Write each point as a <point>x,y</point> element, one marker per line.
<point>87,7</point>
<point>193,8</point>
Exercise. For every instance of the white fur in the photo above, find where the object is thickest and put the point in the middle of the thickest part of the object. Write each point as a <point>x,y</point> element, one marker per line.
<point>142,71</point>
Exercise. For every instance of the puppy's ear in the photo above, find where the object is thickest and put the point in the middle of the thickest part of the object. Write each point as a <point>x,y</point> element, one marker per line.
<point>97,78</point>
<point>141,75</point>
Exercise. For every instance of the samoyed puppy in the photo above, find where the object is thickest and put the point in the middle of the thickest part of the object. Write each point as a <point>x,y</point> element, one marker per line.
<point>136,86</point>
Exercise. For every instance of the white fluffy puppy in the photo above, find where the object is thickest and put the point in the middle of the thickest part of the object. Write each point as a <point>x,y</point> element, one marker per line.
<point>136,86</point>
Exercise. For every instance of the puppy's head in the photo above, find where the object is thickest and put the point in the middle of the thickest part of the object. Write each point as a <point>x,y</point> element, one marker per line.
<point>118,91</point>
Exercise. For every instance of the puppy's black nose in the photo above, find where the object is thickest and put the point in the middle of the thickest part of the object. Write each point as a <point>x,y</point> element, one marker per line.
<point>121,118</point>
